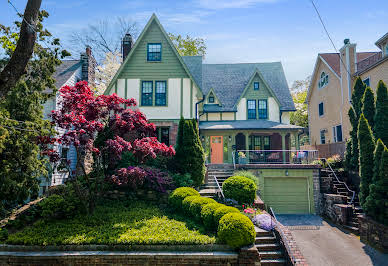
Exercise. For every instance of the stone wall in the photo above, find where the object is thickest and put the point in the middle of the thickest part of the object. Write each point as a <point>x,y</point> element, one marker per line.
<point>373,233</point>
<point>335,207</point>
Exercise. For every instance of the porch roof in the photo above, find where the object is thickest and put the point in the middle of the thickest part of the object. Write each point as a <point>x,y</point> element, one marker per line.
<point>246,124</point>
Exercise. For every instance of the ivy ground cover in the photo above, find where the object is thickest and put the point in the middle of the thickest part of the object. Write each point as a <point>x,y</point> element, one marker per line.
<point>132,223</point>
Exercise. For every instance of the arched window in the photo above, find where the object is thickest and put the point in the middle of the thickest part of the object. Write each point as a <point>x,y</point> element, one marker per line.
<point>324,80</point>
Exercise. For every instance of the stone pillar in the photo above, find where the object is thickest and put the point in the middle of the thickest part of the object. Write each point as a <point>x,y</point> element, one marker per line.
<point>283,134</point>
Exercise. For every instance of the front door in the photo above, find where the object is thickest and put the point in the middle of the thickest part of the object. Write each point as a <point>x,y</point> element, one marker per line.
<point>216,149</point>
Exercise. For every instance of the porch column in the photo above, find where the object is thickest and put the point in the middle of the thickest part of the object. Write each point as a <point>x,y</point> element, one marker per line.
<point>247,146</point>
<point>283,134</point>
<point>297,144</point>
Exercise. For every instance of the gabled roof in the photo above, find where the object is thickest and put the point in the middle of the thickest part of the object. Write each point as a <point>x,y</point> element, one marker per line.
<point>65,70</point>
<point>245,124</point>
<point>381,40</point>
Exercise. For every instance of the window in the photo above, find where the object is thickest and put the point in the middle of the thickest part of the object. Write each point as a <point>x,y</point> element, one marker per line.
<point>324,80</point>
<point>64,152</point>
<point>256,86</point>
<point>154,52</point>
<point>320,109</point>
<point>146,93</point>
<point>367,82</point>
<point>211,99</point>
<point>267,143</point>
<point>323,137</point>
<point>259,143</point>
<point>263,109</point>
<point>163,135</point>
<point>337,133</point>
<point>251,109</point>
<point>386,49</point>
<point>160,93</point>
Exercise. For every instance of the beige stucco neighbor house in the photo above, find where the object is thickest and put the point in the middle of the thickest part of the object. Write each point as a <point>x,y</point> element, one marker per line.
<point>329,94</point>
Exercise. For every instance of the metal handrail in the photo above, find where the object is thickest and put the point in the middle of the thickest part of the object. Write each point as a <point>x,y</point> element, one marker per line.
<point>219,187</point>
<point>293,260</point>
<point>336,177</point>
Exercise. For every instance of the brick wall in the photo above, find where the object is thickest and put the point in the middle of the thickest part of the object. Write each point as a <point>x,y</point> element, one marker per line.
<point>173,126</point>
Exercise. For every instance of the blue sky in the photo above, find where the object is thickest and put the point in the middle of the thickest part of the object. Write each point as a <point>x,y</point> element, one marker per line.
<point>236,31</point>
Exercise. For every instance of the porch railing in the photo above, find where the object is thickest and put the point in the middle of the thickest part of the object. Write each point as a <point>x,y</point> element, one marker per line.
<point>275,156</point>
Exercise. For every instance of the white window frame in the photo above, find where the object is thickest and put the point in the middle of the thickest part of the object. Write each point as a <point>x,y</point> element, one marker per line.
<point>366,79</point>
<point>335,133</point>
<point>320,135</point>
<point>323,80</point>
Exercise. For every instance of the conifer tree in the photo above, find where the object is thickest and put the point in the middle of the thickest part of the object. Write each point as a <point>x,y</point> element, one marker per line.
<point>348,155</point>
<point>179,148</point>
<point>353,160</point>
<point>381,116</point>
<point>368,106</point>
<point>358,93</point>
<point>366,147</point>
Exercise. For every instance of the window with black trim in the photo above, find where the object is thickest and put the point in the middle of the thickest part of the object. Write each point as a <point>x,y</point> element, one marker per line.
<point>320,109</point>
<point>324,80</point>
<point>367,82</point>
<point>154,52</point>
<point>146,93</point>
<point>163,135</point>
<point>251,109</point>
<point>256,86</point>
<point>160,93</point>
<point>323,137</point>
<point>211,99</point>
<point>337,133</point>
<point>263,109</point>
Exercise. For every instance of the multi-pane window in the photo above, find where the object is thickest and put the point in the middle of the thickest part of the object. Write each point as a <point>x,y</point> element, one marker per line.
<point>154,52</point>
<point>263,109</point>
<point>323,137</point>
<point>256,86</point>
<point>320,109</point>
<point>267,143</point>
<point>211,99</point>
<point>259,143</point>
<point>163,135</point>
<point>324,80</point>
<point>146,93</point>
<point>251,109</point>
<point>160,93</point>
<point>337,133</point>
<point>367,82</point>
<point>64,152</point>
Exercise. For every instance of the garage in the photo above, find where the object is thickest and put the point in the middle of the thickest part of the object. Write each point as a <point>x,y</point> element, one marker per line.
<point>287,195</point>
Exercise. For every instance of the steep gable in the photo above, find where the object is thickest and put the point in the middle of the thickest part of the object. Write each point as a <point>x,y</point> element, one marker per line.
<point>263,92</point>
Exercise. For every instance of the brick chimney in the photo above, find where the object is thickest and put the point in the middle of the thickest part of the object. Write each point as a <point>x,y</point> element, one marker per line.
<point>88,66</point>
<point>126,45</point>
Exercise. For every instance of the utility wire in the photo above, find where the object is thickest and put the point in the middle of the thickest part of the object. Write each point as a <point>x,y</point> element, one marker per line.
<point>328,35</point>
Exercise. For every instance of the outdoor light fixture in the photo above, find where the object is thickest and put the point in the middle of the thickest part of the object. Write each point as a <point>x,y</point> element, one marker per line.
<point>203,138</point>
<point>287,172</point>
<point>230,138</point>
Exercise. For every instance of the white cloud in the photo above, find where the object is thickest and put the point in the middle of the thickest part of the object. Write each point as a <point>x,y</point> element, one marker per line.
<point>222,4</point>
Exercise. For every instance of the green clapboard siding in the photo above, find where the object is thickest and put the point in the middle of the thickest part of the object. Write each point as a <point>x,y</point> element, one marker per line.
<point>262,93</point>
<point>138,67</point>
<point>287,195</point>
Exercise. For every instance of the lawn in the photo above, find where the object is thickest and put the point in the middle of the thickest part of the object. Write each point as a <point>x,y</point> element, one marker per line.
<point>132,223</point>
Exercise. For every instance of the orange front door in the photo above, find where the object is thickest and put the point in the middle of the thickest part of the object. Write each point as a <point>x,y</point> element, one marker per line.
<point>216,149</point>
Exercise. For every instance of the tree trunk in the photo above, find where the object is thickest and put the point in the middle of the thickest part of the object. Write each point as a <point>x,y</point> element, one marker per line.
<point>16,66</point>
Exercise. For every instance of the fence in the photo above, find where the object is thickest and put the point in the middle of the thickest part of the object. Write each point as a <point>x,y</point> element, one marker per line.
<point>275,156</point>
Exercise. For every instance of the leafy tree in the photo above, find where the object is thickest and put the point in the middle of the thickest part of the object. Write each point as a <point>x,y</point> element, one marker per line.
<point>368,106</point>
<point>377,201</point>
<point>21,115</point>
<point>107,70</point>
<point>366,147</point>
<point>381,117</point>
<point>300,116</point>
<point>188,46</point>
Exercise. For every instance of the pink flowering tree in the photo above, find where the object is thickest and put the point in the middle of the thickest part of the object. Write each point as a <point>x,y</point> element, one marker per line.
<point>101,128</point>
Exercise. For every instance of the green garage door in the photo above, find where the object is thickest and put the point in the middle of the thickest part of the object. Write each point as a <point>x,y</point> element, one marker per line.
<point>286,195</point>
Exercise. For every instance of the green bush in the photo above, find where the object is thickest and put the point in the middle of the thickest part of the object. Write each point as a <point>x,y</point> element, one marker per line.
<point>335,161</point>
<point>240,188</point>
<point>207,215</point>
<point>249,175</point>
<point>187,202</point>
<point>3,234</point>
<point>236,230</point>
<point>197,204</point>
<point>182,180</point>
<point>179,194</point>
<point>59,207</point>
<point>219,212</point>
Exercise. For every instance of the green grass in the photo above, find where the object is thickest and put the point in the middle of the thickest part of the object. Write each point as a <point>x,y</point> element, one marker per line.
<point>115,223</point>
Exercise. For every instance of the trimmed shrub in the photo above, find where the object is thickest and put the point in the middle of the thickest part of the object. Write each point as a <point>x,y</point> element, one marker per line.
<point>179,194</point>
<point>59,207</point>
<point>207,215</point>
<point>219,212</point>
<point>381,116</point>
<point>236,230</point>
<point>187,202</point>
<point>368,106</point>
<point>240,188</point>
<point>197,204</point>
<point>182,180</point>
<point>249,175</point>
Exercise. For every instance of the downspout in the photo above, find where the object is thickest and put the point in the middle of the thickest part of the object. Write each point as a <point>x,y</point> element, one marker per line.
<point>196,108</point>
<point>280,116</point>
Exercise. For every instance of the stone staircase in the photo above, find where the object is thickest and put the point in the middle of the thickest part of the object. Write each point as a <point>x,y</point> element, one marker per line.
<point>222,172</point>
<point>269,248</point>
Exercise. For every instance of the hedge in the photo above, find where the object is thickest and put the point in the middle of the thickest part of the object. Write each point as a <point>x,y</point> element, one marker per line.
<point>207,215</point>
<point>236,230</point>
<point>222,211</point>
<point>179,194</point>
<point>240,188</point>
<point>197,204</point>
<point>187,202</point>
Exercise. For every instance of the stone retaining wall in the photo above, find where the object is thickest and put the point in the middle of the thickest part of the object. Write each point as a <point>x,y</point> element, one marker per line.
<point>140,194</point>
<point>335,207</point>
<point>373,233</point>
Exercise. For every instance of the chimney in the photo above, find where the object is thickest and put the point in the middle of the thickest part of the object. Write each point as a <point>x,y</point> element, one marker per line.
<point>126,45</point>
<point>88,66</point>
<point>348,65</point>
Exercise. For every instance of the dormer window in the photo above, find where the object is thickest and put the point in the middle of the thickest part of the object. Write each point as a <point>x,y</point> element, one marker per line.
<point>154,52</point>
<point>324,80</point>
<point>211,99</point>
<point>256,86</point>
<point>386,49</point>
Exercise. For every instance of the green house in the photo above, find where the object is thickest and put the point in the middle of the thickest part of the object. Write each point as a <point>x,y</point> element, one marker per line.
<point>241,108</point>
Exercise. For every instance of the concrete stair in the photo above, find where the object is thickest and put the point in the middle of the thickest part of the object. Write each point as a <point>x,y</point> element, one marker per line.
<point>221,172</point>
<point>269,248</point>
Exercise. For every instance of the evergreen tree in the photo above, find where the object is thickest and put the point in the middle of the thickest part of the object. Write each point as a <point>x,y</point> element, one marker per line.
<point>381,117</point>
<point>353,160</point>
<point>368,106</point>
<point>358,93</point>
<point>348,155</point>
<point>366,147</point>
<point>176,162</point>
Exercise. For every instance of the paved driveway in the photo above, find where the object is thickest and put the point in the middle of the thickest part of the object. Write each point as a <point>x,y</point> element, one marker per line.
<point>324,244</point>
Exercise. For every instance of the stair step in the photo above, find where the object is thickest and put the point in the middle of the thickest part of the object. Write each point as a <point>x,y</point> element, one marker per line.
<point>265,240</point>
<point>351,228</point>
<point>267,247</point>
<point>271,254</point>
<point>273,262</point>
<point>353,224</point>
<point>262,232</point>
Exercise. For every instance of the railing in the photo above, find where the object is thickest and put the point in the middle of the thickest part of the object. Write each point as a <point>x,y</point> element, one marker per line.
<point>283,239</point>
<point>364,64</point>
<point>219,187</point>
<point>336,177</point>
<point>275,156</point>
<point>234,159</point>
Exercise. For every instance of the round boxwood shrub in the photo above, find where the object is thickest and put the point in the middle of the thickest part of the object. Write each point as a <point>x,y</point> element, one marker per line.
<point>187,202</point>
<point>219,212</point>
<point>207,215</point>
<point>179,194</point>
<point>240,188</point>
<point>197,204</point>
<point>236,230</point>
